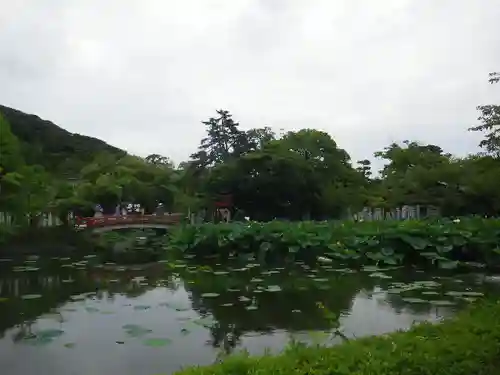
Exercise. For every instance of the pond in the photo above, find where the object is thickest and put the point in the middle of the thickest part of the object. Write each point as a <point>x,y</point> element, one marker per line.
<point>63,316</point>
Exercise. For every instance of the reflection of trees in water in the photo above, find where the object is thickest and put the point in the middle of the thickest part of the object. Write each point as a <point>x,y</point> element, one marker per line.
<point>225,336</point>
<point>275,310</point>
<point>25,329</point>
<point>56,290</point>
<point>424,309</point>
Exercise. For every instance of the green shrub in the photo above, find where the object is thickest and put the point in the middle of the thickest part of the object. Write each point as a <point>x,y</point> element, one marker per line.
<point>465,345</point>
<point>444,243</point>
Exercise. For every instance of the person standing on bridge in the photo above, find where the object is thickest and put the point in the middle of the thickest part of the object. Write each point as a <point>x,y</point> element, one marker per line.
<point>160,209</point>
<point>98,210</point>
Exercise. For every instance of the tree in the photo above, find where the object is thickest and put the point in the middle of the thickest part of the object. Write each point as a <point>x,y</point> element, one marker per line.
<point>159,160</point>
<point>365,168</point>
<point>490,119</point>
<point>266,184</point>
<point>11,162</point>
<point>302,175</point>
<point>413,174</point>
<point>258,138</point>
<point>10,150</point>
<point>224,140</point>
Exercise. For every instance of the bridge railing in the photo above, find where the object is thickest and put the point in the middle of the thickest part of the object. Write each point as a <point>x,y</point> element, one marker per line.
<point>110,220</point>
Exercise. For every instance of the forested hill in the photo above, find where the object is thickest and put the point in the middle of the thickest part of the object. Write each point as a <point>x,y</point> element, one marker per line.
<point>51,146</point>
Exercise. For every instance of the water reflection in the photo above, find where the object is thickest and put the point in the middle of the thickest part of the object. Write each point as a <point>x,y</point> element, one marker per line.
<point>199,310</point>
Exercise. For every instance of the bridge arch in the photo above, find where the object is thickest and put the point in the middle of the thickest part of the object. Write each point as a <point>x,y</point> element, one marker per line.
<point>109,223</point>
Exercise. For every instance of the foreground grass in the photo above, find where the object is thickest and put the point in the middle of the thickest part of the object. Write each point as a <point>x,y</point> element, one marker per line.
<point>465,345</point>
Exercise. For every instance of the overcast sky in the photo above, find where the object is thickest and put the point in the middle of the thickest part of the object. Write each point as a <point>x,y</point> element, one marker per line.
<point>143,74</point>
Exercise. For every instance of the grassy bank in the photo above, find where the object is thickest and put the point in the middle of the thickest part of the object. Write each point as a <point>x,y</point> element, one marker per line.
<point>445,243</point>
<point>467,344</point>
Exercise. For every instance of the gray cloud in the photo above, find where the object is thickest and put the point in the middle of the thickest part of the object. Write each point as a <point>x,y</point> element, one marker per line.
<point>142,75</point>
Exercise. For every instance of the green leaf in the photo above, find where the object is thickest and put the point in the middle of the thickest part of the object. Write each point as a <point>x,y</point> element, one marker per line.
<point>444,248</point>
<point>210,295</point>
<point>418,243</point>
<point>414,300</point>
<point>273,288</point>
<point>448,265</point>
<point>380,275</point>
<point>442,303</point>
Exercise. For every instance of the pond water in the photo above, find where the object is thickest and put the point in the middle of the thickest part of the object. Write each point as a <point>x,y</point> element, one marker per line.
<point>74,317</point>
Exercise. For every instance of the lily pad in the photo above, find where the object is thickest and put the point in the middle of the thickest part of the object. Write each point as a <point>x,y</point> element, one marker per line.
<point>31,296</point>
<point>210,295</point>
<point>380,275</point>
<point>70,345</point>
<point>472,294</point>
<point>464,294</point>
<point>370,268</point>
<point>426,284</point>
<point>414,300</point>
<point>320,280</point>
<point>469,299</point>
<point>273,288</point>
<point>52,333</point>
<point>91,309</point>
<point>3,299</point>
<point>219,273</point>
<point>251,307</point>
<point>42,337</point>
<point>207,322</point>
<point>395,290</point>
<point>36,340</point>
<point>442,303</point>
<point>157,342</point>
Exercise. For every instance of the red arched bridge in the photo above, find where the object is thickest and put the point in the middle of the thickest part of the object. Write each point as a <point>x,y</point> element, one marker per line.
<point>112,222</point>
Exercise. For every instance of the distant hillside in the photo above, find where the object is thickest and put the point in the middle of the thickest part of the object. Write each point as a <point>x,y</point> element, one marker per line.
<point>47,144</point>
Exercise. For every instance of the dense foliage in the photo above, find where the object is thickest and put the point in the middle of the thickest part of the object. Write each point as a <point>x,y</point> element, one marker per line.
<point>444,243</point>
<point>298,175</point>
<point>464,345</point>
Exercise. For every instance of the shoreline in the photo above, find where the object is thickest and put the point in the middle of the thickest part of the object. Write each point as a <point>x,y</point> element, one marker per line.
<point>466,344</point>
